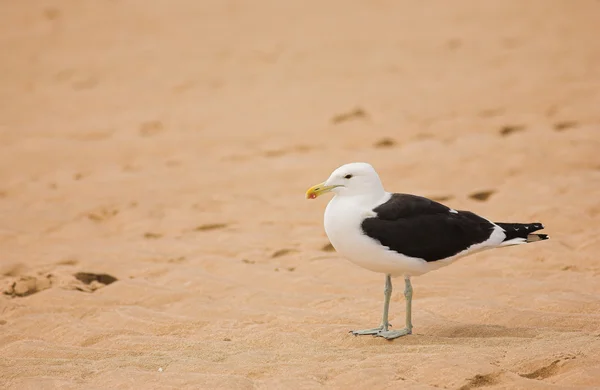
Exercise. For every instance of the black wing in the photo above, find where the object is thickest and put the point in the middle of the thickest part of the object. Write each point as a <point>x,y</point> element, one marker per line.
<point>419,227</point>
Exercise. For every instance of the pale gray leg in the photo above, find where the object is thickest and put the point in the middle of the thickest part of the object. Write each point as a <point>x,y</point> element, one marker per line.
<point>392,334</point>
<point>387,292</point>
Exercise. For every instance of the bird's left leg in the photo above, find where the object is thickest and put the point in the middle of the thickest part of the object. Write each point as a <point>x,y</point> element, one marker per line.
<point>392,334</point>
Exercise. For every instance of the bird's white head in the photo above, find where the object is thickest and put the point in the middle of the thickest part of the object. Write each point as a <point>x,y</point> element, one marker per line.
<point>354,179</point>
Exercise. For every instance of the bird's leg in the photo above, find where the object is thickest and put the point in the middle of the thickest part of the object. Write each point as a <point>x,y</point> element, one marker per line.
<point>387,292</point>
<point>392,334</point>
<point>408,291</point>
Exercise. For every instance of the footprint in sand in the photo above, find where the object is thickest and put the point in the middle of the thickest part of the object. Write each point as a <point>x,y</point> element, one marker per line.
<point>482,196</point>
<point>441,198</point>
<point>28,285</point>
<point>385,143</point>
<point>210,226</point>
<point>511,129</point>
<point>481,381</point>
<point>102,214</point>
<point>547,370</point>
<point>565,125</point>
<point>355,114</point>
<point>91,282</point>
<point>282,252</point>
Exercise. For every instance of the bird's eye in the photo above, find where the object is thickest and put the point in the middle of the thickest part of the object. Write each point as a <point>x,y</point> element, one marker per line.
<point>348,177</point>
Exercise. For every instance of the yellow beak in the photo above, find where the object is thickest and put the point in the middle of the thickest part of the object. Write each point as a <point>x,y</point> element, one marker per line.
<point>318,190</point>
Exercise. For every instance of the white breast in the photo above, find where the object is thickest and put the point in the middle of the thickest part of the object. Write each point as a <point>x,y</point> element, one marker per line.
<point>343,218</point>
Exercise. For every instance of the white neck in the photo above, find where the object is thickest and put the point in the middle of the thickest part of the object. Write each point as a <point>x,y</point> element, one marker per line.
<point>369,199</point>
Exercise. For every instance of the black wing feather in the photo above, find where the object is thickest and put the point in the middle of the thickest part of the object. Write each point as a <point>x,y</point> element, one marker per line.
<point>419,227</point>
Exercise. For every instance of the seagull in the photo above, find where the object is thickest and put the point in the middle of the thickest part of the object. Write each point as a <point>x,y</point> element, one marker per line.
<point>404,235</point>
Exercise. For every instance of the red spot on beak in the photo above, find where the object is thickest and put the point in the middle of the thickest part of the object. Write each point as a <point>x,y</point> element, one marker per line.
<point>312,196</point>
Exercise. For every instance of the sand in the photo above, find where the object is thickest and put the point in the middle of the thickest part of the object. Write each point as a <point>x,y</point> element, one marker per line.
<point>153,163</point>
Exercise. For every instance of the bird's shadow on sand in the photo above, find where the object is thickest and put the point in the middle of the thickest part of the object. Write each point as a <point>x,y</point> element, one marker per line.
<point>483,331</point>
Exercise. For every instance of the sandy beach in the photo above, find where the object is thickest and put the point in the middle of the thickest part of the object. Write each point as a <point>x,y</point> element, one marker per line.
<point>154,157</point>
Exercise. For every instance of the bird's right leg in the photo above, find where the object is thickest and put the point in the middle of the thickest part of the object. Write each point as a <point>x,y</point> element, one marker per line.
<point>386,306</point>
